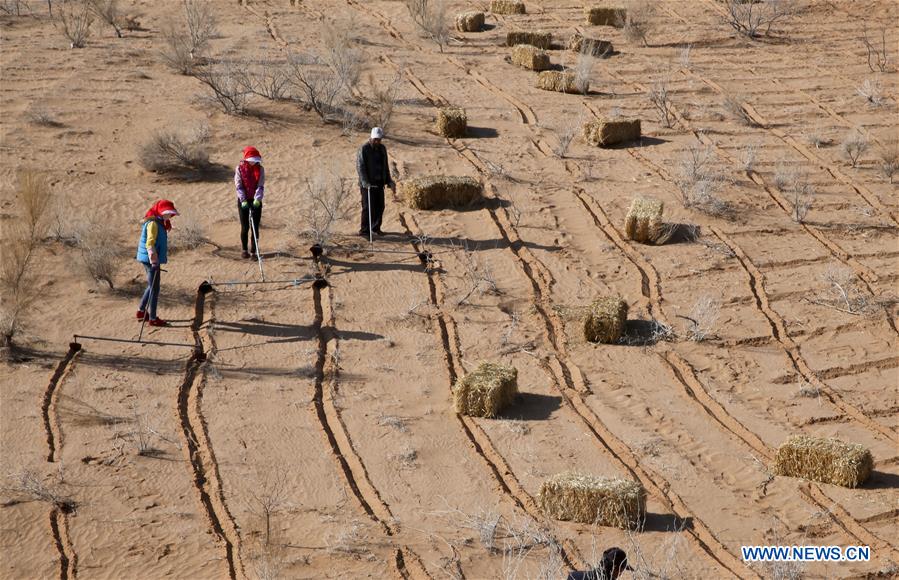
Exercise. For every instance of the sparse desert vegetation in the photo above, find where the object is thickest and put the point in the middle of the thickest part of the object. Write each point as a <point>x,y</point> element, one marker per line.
<point>635,288</point>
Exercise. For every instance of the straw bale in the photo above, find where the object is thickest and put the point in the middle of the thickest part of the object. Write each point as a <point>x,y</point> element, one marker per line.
<point>604,15</point>
<point>588,499</point>
<point>507,7</point>
<point>451,122</point>
<point>434,191</point>
<point>536,38</point>
<point>530,57</point>
<point>605,320</point>
<point>592,46</point>
<point>470,21</point>
<point>605,132</point>
<point>486,390</point>
<point>825,460</point>
<point>562,82</point>
<point>644,220</point>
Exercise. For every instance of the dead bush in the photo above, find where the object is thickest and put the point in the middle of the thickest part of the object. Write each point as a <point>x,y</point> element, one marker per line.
<point>872,91</point>
<point>803,197</point>
<point>174,151</point>
<point>99,250</point>
<point>658,96</point>
<point>754,19</point>
<point>748,157</point>
<point>876,51</point>
<point>583,71</point>
<point>635,21</point>
<point>342,56</point>
<point>703,319</point>
<point>75,18</point>
<point>27,485</point>
<point>189,234</point>
<point>699,181</point>
<point>267,79</point>
<point>108,11</point>
<point>734,106</point>
<point>14,7</point>
<point>186,43</point>
<point>325,202</point>
<point>565,134</point>
<point>38,114</point>
<point>853,146</point>
<point>382,101</point>
<point>227,82</point>
<point>18,282</point>
<point>431,18</point>
<point>35,197</point>
<point>268,498</point>
<point>889,159</point>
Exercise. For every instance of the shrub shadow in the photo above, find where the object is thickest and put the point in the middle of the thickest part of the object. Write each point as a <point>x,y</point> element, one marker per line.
<point>882,480</point>
<point>666,523</point>
<point>481,132</point>
<point>643,333</point>
<point>676,233</point>
<point>532,407</point>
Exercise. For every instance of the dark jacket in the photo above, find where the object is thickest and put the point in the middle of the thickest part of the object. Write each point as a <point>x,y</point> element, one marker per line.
<point>373,166</point>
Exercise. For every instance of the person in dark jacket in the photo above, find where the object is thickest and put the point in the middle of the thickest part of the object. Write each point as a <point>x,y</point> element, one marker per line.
<point>152,253</point>
<point>373,168</point>
<point>613,563</point>
<point>249,180</point>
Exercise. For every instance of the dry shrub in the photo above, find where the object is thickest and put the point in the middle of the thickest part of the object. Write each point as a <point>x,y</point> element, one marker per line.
<point>74,18</point>
<point>700,181</point>
<point>658,96</point>
<point>604,16</point>
<point>536,38</point>
<point>507,7</point>
<point>174,151</point>
<point>606,132</point>
<point>605,320</point>
<point>432,19</point>
<point>734,106</point>
<point>587,499</point>
<point>99,250</point>
<point>227,82</point>
<point>14,7</point>
<point>703,319</point>
<point>381,101</point>
<point>530,57</point>
<point>29,486</point>
<point>470,22</point>
<point>325,202</point>
<point>754,19</point>
<point>853,146</point>
<point>187,42</point>
<point>872,91</point>
<point>593,46</point>
<point>268,79</point>
<point>562,82</point>
<point>318,88</point>
<point>439,191</point>
<point>35,197</point>
<point>566,133</point>
<point>38,114</point>
<point>825,460</point>
<point>877,55</point>
<point>644,220</point>
<point>18,281</point>
<point>108,11</point>
<point>889,159</point>
<point>485,391</point>
<point>451,122</point>
<point>635,20</point>
<point>189,235</point>
<point>342,56</point>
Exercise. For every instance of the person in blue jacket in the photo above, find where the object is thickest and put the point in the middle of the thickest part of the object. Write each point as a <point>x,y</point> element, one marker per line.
<point>152,252</point>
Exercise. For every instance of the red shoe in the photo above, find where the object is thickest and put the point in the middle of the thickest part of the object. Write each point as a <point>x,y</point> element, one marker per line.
<point>158,322</point>
<point>141,315</point>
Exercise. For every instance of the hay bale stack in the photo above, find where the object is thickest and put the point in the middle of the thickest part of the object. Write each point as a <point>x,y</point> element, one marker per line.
<point>592,46</point>
<point>604,16</point>
<point>470,22</point>
<point>536,38</point>
<point>434,191</point>
<point>562,82</point>
<point>484,392</point>
<point>588,499</point>
<point>606,132</point>
<point>507,7</point>
<point>605,320</point>
<point>530,57</point>
<point>825,460</point>
<point>644,220</point>
<point>452,122</point>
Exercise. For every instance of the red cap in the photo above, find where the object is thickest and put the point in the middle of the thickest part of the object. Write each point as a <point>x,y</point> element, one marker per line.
<point>251,152</point>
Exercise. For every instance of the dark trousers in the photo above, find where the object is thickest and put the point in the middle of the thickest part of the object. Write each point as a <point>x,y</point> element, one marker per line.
<point>245,225</point>
<point>377,208</point>
<point>151,295</point>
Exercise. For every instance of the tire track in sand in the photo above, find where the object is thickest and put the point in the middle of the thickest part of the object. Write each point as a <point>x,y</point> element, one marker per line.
<point>199,450</point>
<point>408,564</point>
<point>49,411</point>
<point>59,529</point>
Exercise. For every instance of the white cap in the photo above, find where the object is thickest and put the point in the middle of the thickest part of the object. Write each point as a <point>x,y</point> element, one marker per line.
<point>377,133</point>
<point>254,159</point>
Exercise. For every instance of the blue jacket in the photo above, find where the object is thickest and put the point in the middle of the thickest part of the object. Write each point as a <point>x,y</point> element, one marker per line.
<point>162,243</point>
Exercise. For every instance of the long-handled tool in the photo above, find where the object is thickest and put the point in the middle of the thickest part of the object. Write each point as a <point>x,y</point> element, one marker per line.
<point>150,301</point>
<point>371,239</point>
<point>256,244</point>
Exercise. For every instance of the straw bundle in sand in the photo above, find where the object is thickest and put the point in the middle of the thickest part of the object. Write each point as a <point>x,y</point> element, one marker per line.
<point>562,82</point>
<point>588,499</point>
<point>824,460</point>
<point>452,122</point>
<point>644,220</point>
<point>530,57</point>
<point>605,132</point>
<point>470,22</point>
<point>537,38</point>
<point>507,7</point>
<point>433,191</point>
<point>484,392</point>
<point>605,320</point>
<point>592,46</point>
<point>604,16</point>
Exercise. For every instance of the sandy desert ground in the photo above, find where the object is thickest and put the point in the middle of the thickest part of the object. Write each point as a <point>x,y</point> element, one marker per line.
<point>330,408</point>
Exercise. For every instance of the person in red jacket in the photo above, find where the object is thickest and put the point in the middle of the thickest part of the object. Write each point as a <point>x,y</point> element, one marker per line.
<point>249,180</point>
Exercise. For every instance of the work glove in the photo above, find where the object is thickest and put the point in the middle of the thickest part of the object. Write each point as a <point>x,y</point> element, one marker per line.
<point>366,184</point>
<point>257,203</point>
<point>244,205</point>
